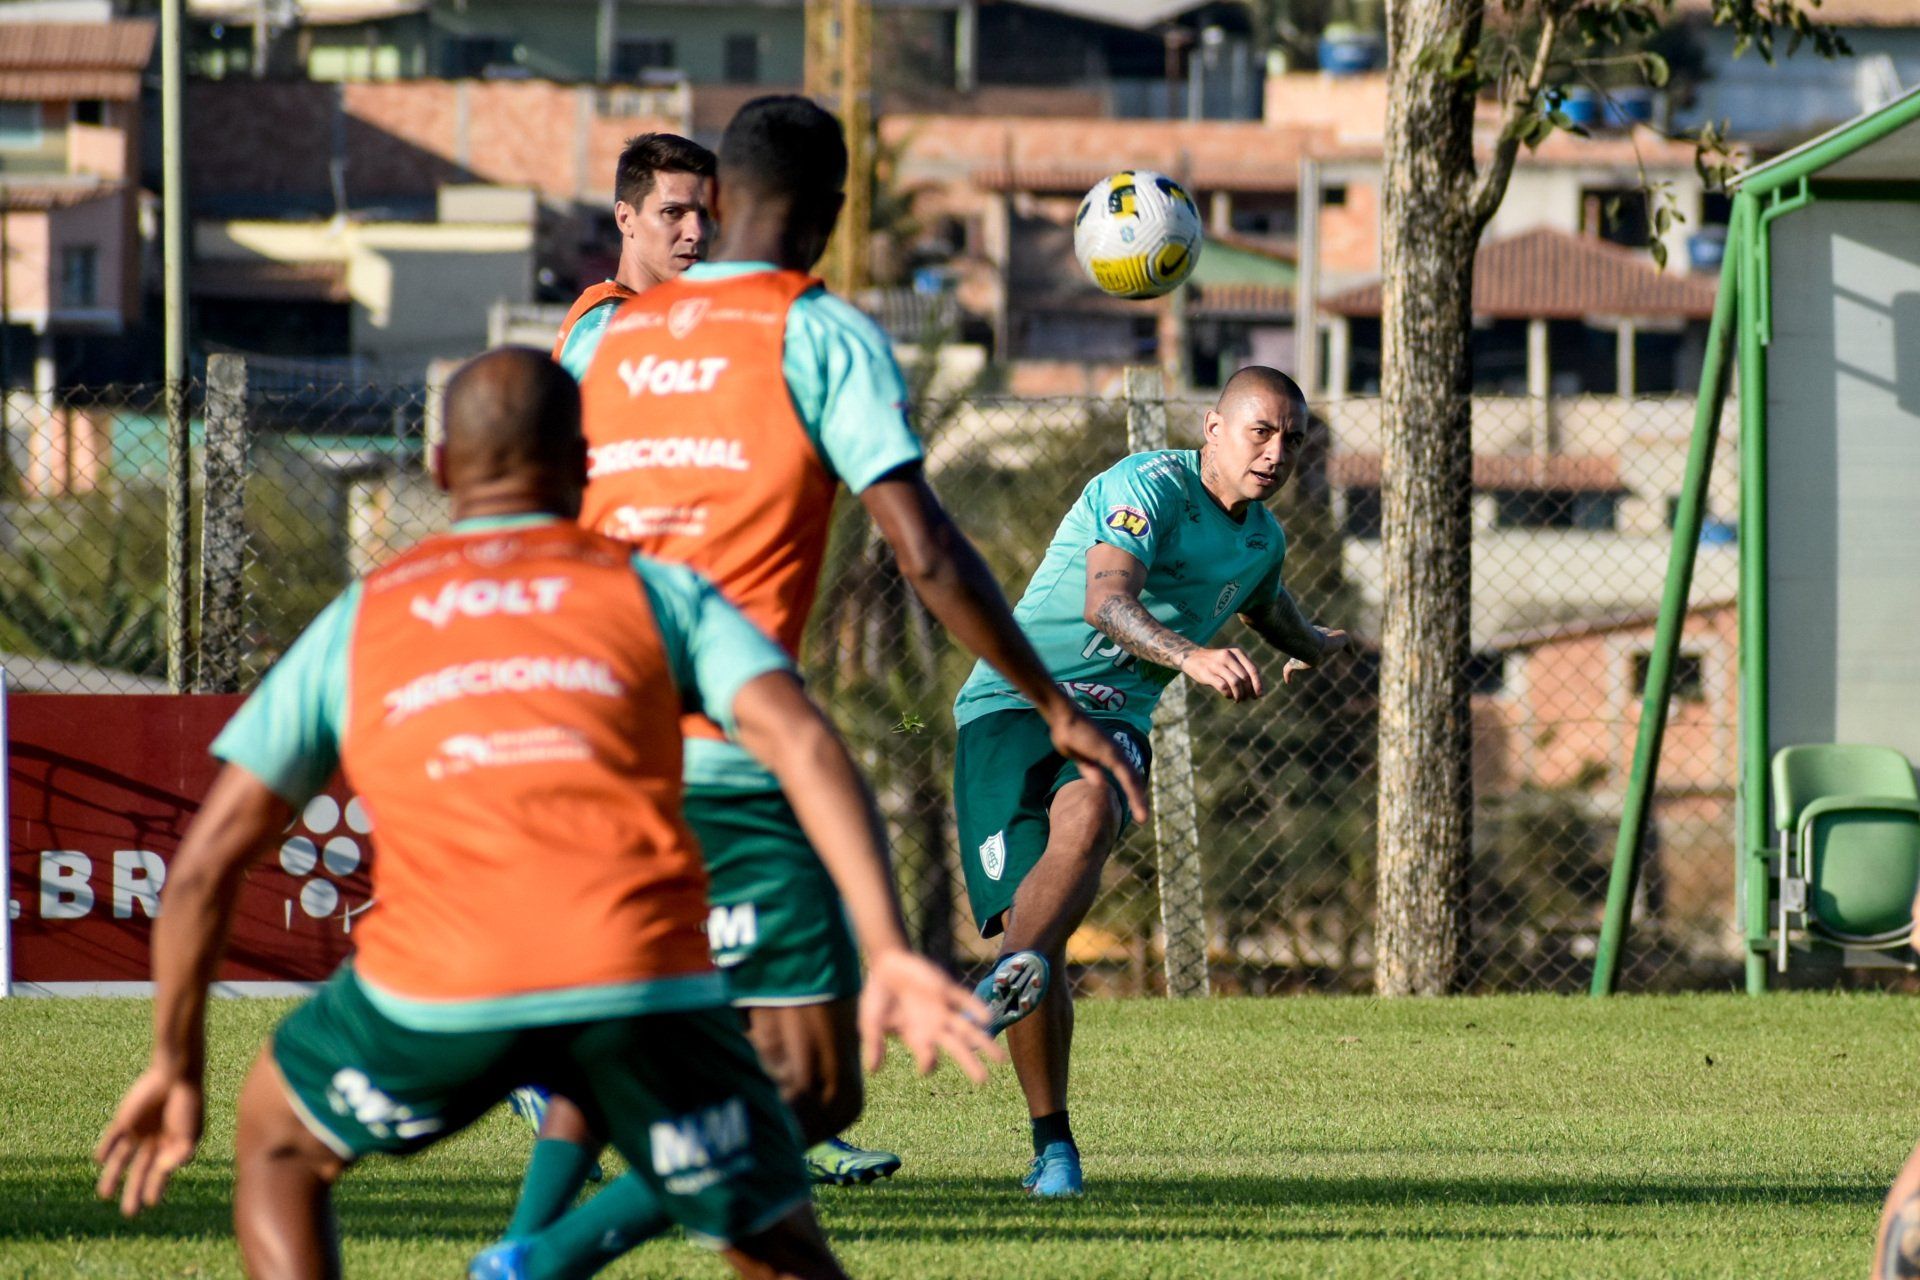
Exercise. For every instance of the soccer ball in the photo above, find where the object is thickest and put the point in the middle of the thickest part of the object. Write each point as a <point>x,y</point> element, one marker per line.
<point>1137,234</point>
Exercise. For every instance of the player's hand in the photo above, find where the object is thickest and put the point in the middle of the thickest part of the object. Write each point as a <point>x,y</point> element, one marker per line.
<point>1229,672</point>
<point>153,1133</point>
<point>1085,743</point>
<point>909,997</point>
<point>1331,642</point>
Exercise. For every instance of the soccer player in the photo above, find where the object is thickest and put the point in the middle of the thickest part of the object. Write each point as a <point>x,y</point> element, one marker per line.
<point>724,409</point>
<point>663,189</point>
<point>1896,1252</point>
<point>1148,564</point>
<point>503,699</point>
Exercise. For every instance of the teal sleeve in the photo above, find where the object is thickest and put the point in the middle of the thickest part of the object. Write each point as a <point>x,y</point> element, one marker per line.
<point>584,338</point>
<point>1272,584</point>
<point>712,650</point>
<point>1130,512</point>
<point>288,733</point>
<point>848,390</point>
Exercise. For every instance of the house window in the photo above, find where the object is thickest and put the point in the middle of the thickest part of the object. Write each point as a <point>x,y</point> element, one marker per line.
<point>1333,197</point>
<point>89,111</point>
<point>465,57</point>
<point>1553,509</point>
<point>19,126</point>
<point>634,57</point>
<point>741,59</point>
<point>1689,676</point>
<point>1619,214</point>
<point>79,276</point>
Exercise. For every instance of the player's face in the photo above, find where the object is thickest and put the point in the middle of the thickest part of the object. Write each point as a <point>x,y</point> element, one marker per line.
<point>1256,440</point>
<point>672,228</point>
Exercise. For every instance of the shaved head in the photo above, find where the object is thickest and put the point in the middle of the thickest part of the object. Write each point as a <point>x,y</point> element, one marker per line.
<point>512,421</point>
<point>1258,379</point>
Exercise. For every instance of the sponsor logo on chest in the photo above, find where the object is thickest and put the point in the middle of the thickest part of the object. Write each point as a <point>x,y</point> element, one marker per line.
<point>652,376</point>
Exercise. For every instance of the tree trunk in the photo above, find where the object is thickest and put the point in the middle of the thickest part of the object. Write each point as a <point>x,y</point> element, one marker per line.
<point>1429,236</point>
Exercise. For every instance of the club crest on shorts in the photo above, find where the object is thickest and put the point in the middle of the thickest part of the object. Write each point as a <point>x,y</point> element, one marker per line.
<point>1128,520</point>
<point>993,854</point>
<point>684,316</point>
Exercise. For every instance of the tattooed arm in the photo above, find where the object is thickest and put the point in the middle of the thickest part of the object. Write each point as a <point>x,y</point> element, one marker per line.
<point>1114,582</point>
<point>1281,624</point>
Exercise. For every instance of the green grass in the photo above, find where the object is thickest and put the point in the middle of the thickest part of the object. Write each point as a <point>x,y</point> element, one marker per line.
<point>1523,1136</point>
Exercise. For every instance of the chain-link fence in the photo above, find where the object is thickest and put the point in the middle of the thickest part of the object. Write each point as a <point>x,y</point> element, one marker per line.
<point>1265,858</point>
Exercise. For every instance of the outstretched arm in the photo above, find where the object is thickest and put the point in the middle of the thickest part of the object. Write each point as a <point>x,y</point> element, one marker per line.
<point>1281,624</point>
<point>1115,579</point>
<point>953,581</point>
<point>906,995</point>
<point>157,1126</point>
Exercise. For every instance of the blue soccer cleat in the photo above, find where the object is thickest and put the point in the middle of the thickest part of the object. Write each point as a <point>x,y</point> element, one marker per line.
<point>1014,989</point>
<point>1055,1172</point>
<point>504,1261</point>
<point>529,1102</point>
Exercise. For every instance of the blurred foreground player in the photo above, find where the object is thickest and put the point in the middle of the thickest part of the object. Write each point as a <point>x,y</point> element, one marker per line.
<point>724,410</point>
<point>663,190</point>
<point>540,900</point>
<point>1155,556</point>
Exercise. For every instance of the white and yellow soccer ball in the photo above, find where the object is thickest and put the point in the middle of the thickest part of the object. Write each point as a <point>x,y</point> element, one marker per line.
<point>1137,234</point>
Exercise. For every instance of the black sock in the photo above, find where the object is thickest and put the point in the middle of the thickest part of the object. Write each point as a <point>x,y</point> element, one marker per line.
<point>1050,1128</point>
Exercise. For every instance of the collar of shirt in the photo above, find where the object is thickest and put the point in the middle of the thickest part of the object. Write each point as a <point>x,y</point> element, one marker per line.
<point>726,270</point>
<point>487,524</point>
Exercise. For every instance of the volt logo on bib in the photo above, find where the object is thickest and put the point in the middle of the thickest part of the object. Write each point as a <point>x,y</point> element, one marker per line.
<point>651,375</point>
<point>483,598</point>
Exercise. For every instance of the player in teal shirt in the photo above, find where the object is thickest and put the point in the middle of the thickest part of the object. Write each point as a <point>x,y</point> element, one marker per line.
<point>1157,553</point>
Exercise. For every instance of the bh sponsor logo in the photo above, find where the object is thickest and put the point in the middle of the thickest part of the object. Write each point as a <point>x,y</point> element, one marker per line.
<point>732,932</point>
<point>692,1152</point>
<point>485,598</point>
<point>324,846</point>
<point>1099,646</point>
<point>1128,520</point>
<point>652,376</point>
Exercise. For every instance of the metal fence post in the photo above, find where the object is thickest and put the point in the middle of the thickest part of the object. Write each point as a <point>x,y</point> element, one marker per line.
<point>1176,822</point>
<point>223,527</point>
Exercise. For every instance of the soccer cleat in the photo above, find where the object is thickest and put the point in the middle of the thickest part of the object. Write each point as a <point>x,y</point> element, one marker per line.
<point>529,1102</point>
<point>838,1163</point>
<point>1055,1172</point>
<point>504,1261</point>
<point>1014,989</point>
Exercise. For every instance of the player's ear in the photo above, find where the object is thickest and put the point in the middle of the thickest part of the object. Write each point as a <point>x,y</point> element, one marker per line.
<point>623,215</point>
<point>437,464</point>
<point>1211,424</point>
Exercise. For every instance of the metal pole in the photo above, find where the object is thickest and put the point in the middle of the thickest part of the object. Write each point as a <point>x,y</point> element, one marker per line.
<point>1306,285</point>
<point>173,217</point>
<point>223,527</point>
<point>1666,640</point>
<point>1176,822</point>
<point>1754,852</point>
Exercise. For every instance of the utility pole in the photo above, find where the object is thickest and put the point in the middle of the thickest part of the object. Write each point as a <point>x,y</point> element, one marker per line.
<point>173,254</point>
<point>839,76</point>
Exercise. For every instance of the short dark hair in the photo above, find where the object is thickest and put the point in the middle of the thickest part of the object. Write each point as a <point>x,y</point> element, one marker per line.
<point>649,153</point>
<point>784,144</point>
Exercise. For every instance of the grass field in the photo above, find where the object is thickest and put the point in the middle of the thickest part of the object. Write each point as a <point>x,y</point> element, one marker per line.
<point>1522,1136</point>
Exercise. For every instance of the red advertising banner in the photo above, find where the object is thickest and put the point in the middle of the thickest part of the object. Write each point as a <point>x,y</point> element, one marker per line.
<point>101,789</point>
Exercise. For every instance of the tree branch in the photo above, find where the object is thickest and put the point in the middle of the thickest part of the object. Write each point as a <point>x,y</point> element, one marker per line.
<point>1491,187</point>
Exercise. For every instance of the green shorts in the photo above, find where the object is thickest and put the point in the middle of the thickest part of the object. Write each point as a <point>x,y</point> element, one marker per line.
<point>777,928</point>
<point>1005,775</point>
<point>681,1095</point>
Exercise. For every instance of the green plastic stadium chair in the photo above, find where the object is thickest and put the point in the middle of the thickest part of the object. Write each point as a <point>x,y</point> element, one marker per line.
<point>1848,822</point>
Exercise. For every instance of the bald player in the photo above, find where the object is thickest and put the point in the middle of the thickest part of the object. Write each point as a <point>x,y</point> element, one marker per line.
<point>1159,551</point>
<point>505,701</point>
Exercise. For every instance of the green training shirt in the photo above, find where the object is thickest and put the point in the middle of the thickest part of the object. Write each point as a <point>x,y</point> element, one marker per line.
<point>1202,567</point>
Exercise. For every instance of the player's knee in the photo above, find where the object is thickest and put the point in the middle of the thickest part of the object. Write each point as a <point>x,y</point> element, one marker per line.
<point>271,1140</point>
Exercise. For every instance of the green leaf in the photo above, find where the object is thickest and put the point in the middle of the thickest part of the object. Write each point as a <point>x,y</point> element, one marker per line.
<point>1657,70</point>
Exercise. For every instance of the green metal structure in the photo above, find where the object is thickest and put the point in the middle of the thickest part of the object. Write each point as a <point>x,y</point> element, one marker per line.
<point>1827,236</point>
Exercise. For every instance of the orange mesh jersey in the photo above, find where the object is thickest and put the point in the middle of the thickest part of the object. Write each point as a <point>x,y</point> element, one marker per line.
<point>696,451</point>
<point>598,295</point>
<point>507,726</point>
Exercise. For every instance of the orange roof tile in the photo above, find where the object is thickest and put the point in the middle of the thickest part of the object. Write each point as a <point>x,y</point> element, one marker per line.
<point>43,197</point>
<point>1498,471</point>
<point>1549,274</point>
<point>74,46</point>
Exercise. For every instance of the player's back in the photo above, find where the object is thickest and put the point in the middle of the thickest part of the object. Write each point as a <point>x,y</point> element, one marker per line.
<point>509,725</point>
<point>696,451</point>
